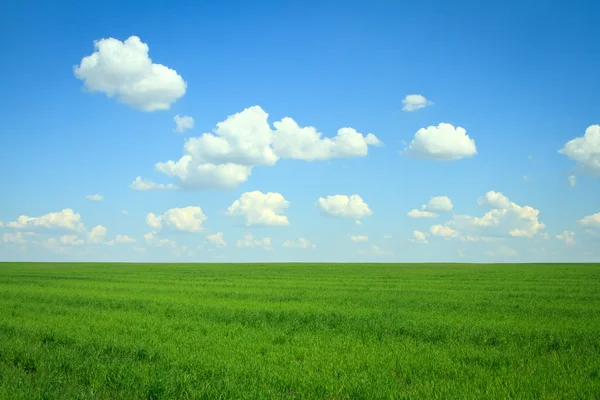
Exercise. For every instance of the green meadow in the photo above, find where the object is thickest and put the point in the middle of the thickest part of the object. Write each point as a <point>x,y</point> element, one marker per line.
<point>299,331</point>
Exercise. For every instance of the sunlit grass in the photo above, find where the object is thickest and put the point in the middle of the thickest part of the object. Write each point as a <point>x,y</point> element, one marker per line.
<point>341,331</point>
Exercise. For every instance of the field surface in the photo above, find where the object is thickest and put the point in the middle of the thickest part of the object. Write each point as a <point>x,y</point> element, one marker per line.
<point>299,331</point>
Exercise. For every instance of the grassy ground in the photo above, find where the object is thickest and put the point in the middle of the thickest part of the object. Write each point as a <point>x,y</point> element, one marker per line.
<point>347,331</point>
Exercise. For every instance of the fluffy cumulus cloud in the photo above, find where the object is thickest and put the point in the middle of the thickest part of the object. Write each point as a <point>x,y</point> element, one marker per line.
<point>419,237</point>
<point>591,220</point>
<point>186,219</point>
<point>344,206</point>
<point>414,102</point>
<point>436,204</point>
<point>216,239</point>
<point>567,237</point>
<point>183,123</point>
<point>225,157</point>
<point>585,150</point>
<point>505,218</point>
<point>95,197</point>
<point>250,241</point>
<point>259,208</point>
<point>301,243</point>
<point>97,234</point>
<point>66,219</point>
<point>144,185</point>
<point>443,143</point>
<point>125,71</point>
<point>359,238</point>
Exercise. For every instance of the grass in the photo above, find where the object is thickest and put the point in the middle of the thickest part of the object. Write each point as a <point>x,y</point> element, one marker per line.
<point>299,331</point>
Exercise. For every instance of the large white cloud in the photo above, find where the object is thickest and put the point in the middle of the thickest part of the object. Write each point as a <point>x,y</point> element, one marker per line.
<point>591,220</point>
<point>301,243</point>
<point>505,218</point>
<point>66,219</point>
<point>259,208</point>
<point>250,241</point>
<point>443,143</point>
<point>186,219</point>
<point>414,102</point>
<point>225,157</point>
<point>183,123</point>
<point>585,150</point>
<point>125,71</point>
<point>344,206</point>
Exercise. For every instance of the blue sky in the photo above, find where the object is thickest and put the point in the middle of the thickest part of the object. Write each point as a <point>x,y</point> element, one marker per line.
<point>520,77</point>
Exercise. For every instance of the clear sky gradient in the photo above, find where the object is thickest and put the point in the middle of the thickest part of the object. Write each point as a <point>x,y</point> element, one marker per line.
<point>521,77</point>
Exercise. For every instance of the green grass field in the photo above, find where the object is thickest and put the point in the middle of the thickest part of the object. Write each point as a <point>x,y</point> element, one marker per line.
<point>299,331</point>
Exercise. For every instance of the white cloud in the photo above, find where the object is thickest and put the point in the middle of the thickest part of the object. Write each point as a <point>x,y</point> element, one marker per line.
<point>186,219</point>
<point>145,184</point>
<point>419,237</point>
<point>591,220</point>
<point>495,200</point>
<point>439,204</point>
<point>344,206</point>
<point>259,208</point>
<point>65,219</point>
<point>97,234</point>
<point>71,240</point>
<point>375,250</point>
<point>358,222</point>
<point>359,238</point>
<point>250,241</point>
<point>442,143</point>
<point>216,239</point>
<point>421,214</point>
<point>568,237</point>
<point>585,150</point>
<point>183,123</point>
<point>301,243</point>
<point>124,239</point>
<point>95,197</point>
<point>225,157</point>
<point>149,237</point>
<point>572,180</point>
<point>443,231</point>
<point>414,102</point>
<point>124,70</point>
<point>165,243</point>
<point>488,239</point>
<point>15,238</point>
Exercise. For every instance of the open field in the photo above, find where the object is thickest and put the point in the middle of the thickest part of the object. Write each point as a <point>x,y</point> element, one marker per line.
<point>339,331</point>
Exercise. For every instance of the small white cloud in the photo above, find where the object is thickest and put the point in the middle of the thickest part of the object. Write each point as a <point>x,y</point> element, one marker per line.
<point>387,237</point>
<point>443,231</point>
<point>439,204</point>
<point>414,102</point>
<point>71,240</point>
<point>421,214</point>
<point>301,243</point>
<point>124,239</point>
<point>14,238</point>
<point>216,239</point>
<point>250,241</point>
<point>442,143</point>
<point>259,208</point>
<point>186,219</point>
<point>358,222</point>
<point>145,184</point>
<point>568,237</point>
<point>585,150</point>
<point>572,180</point>
<point>124,70</point>
<point>359,238</point>
<point>591,220</point>
<point>419,237</point>
<point>183,123</point>
<point>97,234</point>
<point>95,197</point>
<point>344,206</point>
<point>124,212</point>
<point>66,219</point>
